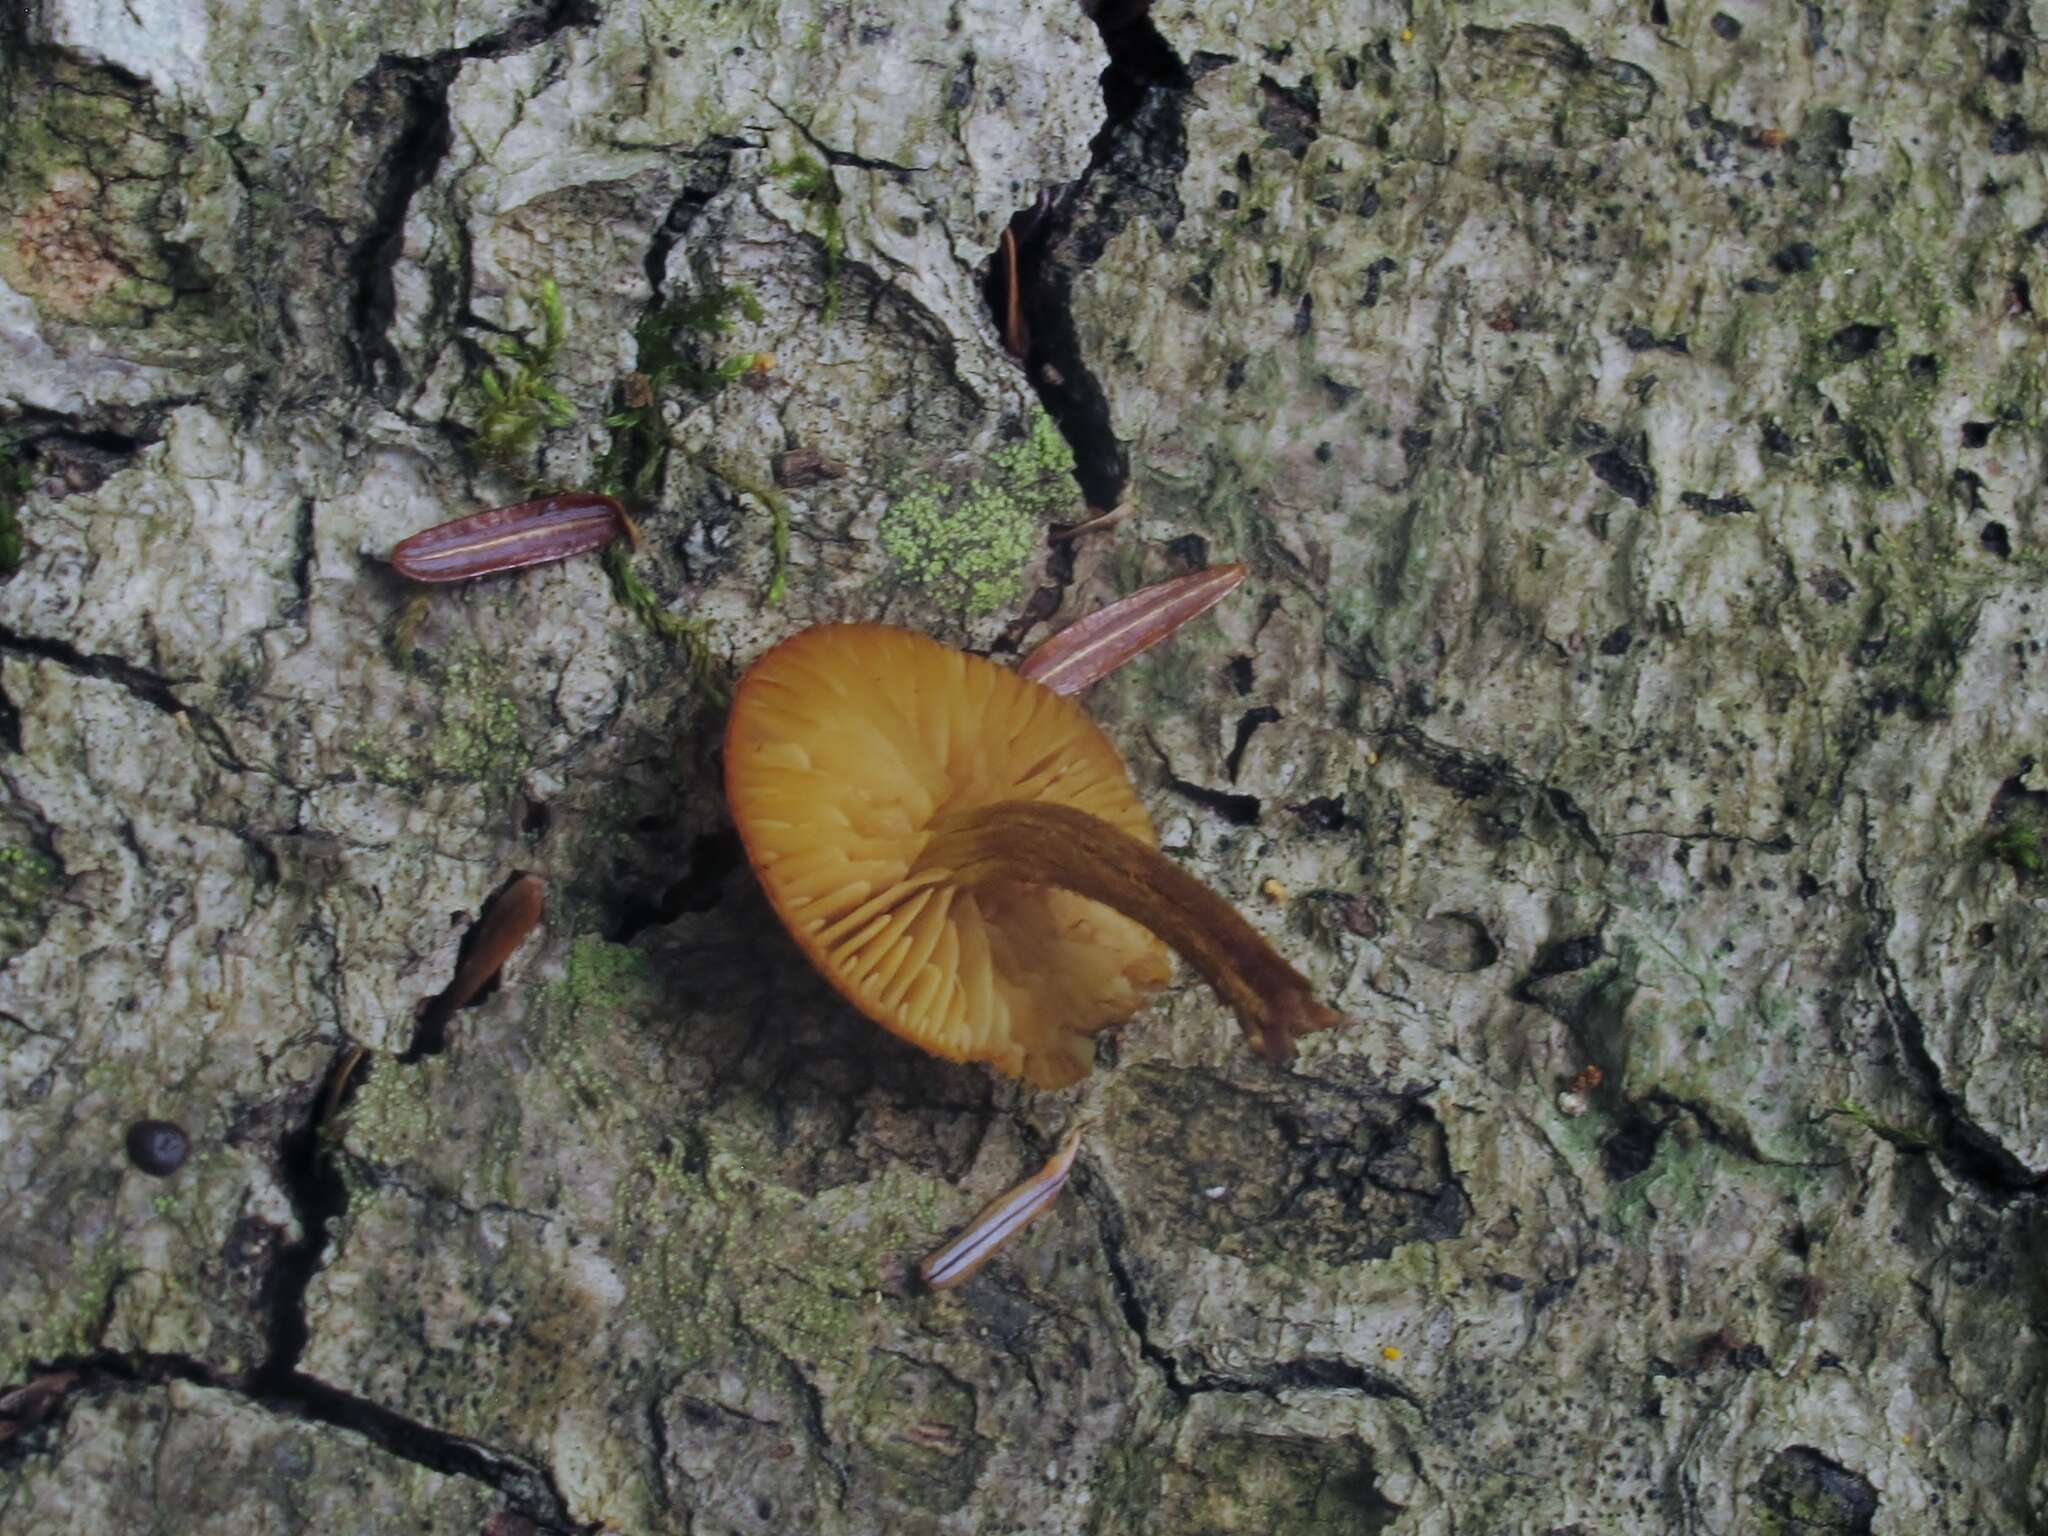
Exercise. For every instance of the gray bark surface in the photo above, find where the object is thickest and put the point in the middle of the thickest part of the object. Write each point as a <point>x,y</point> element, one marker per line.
<point>1632,417</point>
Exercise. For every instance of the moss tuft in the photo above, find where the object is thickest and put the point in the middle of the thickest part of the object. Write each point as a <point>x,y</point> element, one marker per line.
<point>2021,844</point>
<point>691,637</point>
<point>810,182</point>
<point>670,356</point>
<point>15,479</point>
<point>515,403</point>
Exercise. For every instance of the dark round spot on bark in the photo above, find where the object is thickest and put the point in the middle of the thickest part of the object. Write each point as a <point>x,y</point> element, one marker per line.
<point>1799,256</point>
<point>1618,642</point>
<point>1323,814</point>
<point>2009,68</point>
<point>158,1147</point>
<point>1631,1149</point>
<point>1923,365</point>
<point>1854,341</point>
<point>2011,135</point>
<point>1976,433</point>
<point>1725,26</point>
<point>1997,540</point>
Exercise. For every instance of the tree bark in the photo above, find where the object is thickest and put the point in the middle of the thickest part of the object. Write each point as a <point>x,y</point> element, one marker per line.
<point>1631,417</point>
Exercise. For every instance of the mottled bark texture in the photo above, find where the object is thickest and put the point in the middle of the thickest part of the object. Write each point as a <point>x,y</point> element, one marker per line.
<point>1632,417</point>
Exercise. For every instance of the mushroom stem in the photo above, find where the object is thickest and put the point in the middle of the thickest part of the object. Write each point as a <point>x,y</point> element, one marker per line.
<point>1030,841</point>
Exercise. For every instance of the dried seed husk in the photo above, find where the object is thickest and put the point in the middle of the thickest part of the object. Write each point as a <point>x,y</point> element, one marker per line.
<point>1091,648</point>
<point>509,538</point>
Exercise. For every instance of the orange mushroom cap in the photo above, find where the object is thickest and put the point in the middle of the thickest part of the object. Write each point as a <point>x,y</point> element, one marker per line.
<point>847,743</point>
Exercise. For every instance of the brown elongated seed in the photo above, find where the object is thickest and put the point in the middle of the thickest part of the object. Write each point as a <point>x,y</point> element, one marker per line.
<point>1016,339</point>
<point>1091,648</point>
<point>799,467</point>
<point>507,538</point>
<point>998,1222</point>
<point>28,1405</point>
<point>500,929</point>
<point>1096,522</point>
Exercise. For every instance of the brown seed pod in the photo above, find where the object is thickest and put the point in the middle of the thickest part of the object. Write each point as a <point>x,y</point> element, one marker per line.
<point>1091,648</point>
<point>507,538</point>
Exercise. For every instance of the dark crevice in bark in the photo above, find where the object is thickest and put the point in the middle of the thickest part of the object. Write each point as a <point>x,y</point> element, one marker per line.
<point>1045,602</point>
<point>1316,1372</point>
<point>708,177</point>
<point>712,857</point>
<point>1247,724</point>
<point>147,686</point>
<point>302,567</point>
<point>528,1489</point>
<point>1133,173</point>
<point>1109,1223</point>
<point>1971,1154</point>
<point>69,457</point>
<point>1480,775</point>
<point>657,1440</point>
<point>532,30</point>
<point>314,1188</point>
<point>417,91</point>
<point>430,1024</point>
<point>1730,1137</point>
<point>317,1193</point>
<point>144,684</point>
<point>1238,810</point>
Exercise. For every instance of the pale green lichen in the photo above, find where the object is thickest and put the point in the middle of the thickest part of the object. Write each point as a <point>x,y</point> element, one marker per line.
<point>393,1113</point>
<point>26,878</point>
<point>968,544</point>
<point>394,770</point>
<point>661,1224</point>
<point>599,983</point>
<point>70,1325</point>
<point>476,736</point>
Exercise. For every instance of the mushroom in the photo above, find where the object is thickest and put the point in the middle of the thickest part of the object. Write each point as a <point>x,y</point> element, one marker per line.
<point>962,854</point>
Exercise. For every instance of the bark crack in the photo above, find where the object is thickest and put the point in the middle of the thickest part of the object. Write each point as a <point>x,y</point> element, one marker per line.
<point>530,1489</point>
<point>1972,1154</point>
<point>1133,173</point>
<point>151,688</point>
<point>1325,1373</point>
<point>317,1195</point>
